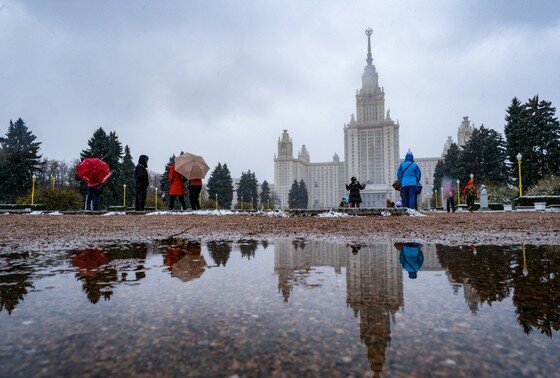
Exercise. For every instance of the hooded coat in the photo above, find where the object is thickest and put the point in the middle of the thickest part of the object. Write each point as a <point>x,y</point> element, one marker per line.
<point>141,173</point>
<point>409,172</point>
<point>354,187</point>
<point>176,182</point>
<point>411,258</point>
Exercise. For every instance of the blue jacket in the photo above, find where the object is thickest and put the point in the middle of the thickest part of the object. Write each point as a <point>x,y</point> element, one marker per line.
<point>411,258</point>
<point>412,175</point>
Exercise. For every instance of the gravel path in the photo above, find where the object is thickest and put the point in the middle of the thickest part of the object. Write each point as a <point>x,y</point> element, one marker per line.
<point>44,232</point>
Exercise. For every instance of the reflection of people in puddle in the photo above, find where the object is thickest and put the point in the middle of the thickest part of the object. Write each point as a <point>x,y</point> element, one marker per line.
<point>98,278</point>
<point>95,282</point>
<point>186,264</point>
<point>411,258</point>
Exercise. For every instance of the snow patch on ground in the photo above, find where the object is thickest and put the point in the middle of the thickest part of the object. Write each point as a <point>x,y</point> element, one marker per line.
<point>414,213</point>
<point>332,214</point>
<point>110,213</point>
<point>197,212</point>
<point>275,213</point>
<point>55,213</point>
<point>385,213</point>
<point>36,213</point>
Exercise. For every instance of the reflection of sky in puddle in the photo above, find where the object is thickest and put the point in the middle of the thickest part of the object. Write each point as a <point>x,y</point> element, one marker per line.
<point>295,307</point>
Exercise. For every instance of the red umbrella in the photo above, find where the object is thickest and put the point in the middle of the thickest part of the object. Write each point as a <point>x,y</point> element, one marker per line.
<point>88,260</point>
<point>93,171</point>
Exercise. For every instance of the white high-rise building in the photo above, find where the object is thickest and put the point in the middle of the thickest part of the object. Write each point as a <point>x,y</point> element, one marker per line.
<point>371,142</point>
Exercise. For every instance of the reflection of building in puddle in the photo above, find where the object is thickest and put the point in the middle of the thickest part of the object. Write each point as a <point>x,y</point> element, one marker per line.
<point>100,270</point>
<point>374,284</point>
<point>375,292</point>
<point>186,261</point>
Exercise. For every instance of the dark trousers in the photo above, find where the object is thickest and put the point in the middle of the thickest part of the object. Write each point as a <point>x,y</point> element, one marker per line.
<point>470,203</point>
<point>355,204</point>
<point>92,198</point>
<point>140,202</point>
<point>450,204</point>
<point>181,199</point>
<point>194,194</point>
<point>408,196</point>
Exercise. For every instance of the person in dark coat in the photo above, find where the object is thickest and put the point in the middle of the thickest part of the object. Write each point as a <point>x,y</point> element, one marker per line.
<point>354,187</point>
<point>409,175</point>
<point>141,176</point>
<point>195,187</point>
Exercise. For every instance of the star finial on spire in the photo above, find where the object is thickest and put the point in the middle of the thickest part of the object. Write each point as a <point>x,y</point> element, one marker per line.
<point>369,32</point>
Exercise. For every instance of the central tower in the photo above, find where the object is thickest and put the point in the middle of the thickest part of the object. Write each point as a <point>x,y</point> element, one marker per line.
<point>371,140</point>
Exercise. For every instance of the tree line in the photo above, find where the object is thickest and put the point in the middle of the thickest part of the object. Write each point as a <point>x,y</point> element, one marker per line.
<point>57,184</point>
<point>531,130</point>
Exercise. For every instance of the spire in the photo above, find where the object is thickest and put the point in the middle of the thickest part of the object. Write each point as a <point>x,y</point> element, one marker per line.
<point>369,32</point>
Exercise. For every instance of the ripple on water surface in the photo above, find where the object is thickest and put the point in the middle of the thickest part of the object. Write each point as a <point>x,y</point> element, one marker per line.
<point>290,307</point>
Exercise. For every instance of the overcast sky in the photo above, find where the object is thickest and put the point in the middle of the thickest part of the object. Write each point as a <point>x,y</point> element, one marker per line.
<point>223,78</point>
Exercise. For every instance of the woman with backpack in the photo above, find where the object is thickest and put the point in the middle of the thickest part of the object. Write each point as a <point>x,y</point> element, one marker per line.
<point>409,176</point>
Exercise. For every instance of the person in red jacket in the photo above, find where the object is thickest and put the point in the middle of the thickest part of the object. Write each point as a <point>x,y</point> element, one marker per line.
<point>176,187</point>
<point>470,192</point>
<point>195,187</point>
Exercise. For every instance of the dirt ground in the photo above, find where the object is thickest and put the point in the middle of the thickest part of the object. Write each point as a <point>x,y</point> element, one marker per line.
<point>44,232</point>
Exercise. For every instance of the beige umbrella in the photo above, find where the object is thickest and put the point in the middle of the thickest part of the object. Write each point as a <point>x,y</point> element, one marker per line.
<point>191,166</point>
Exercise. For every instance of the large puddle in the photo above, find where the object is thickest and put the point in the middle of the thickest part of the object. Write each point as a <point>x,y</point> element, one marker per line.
<point>286,307</point>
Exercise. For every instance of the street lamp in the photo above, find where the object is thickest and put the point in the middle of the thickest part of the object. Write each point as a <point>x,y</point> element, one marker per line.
<point>155,200</point>
<point>458,194</point>
<point>525,270</point>
<point>435,195</point>
<point>33,178</point>
<point>472,176</point>
<point>519,156</point>
<point>53,180</point>
<point>124,196</point>
<point>442,199</point>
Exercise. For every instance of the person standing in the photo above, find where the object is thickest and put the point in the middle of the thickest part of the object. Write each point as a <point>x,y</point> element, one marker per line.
<point>449,194</point>
<point>469,191</point>
<point>142,182</point>
<point>411,258</point>
<point>92,197</point>
<point>176,187</point>
<point>409,175</point>
<point>195,187</point>
<point>354,187</point>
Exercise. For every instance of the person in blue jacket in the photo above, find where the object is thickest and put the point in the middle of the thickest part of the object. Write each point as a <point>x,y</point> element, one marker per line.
<point>409,175</point>
<point>411,258</point>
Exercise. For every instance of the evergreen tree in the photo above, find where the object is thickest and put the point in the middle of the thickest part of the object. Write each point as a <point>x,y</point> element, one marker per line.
<point>543,132</point>
<point>19,161</point>
<point>452,163</point>
<point>128,169</point>
<point>247,188</point>
<point>293,196</point>
<point>164,182</point>
<point>438,175</point>
<point>220,184</point>
<point>303,195</point>
<point>225,195</point>
<point>484,155</point>
<point>514,131</point>
<point>265,195</point>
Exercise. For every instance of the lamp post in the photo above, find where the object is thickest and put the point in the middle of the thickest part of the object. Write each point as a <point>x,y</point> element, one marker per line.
<point>519,156</point>
<point>525,270</point>
<point>442,200</point>
<point>216,201</point>
<point>458,194</point>
<point>155,200</point>
<point>33,178</point>
<point>435,195</point>
<point>241,202</point>
<point>53,180</point>
<point>124,196</point>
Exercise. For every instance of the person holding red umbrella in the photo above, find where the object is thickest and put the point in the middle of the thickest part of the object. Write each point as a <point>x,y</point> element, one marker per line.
<point>94,172</point>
